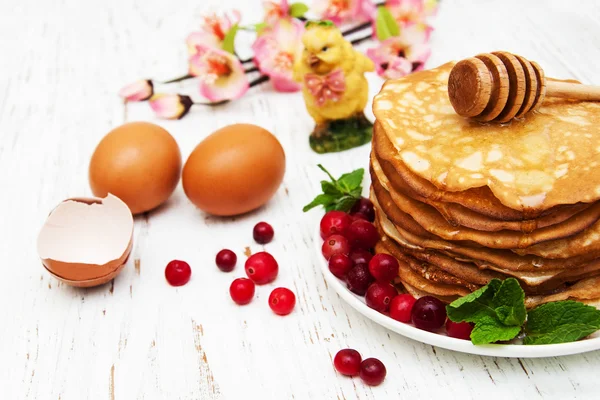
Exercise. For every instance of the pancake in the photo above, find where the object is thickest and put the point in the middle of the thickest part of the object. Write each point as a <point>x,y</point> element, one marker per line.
<point>549,158</point>
<point>432,221</point>
<point>406,230</point>
<point>457,215</point>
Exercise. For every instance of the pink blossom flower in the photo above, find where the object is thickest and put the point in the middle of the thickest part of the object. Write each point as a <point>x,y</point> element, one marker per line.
<point>170,106</point>
<point>341,11</point>
<point>222,76</point>
<point>398,56</point>
<point>275,52</point>
<point>407,12</point>
<point>137,91</point>
<point>275,10</point>
<point>212,31</point>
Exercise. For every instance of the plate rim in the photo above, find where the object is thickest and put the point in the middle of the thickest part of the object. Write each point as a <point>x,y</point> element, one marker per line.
<point>443,341</point>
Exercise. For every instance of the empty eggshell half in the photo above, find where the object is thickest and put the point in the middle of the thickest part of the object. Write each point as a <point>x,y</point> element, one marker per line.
<point>86,241</point>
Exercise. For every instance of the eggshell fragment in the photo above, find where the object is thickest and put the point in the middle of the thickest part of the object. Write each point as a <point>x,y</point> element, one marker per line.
<point>86,241</point>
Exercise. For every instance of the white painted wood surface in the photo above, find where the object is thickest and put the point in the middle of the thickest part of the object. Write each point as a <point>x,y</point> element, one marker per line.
<point>61,64</point>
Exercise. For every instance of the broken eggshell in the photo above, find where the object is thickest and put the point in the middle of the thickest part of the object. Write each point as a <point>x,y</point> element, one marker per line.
<point>86,241</point>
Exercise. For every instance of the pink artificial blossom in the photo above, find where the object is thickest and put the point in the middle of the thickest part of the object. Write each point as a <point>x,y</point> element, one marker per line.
<point>341,11</point>
<point>275,52</point>
<point>222,76</point>
<point>275,10</point>
<point>170,106</point>
<point>212,31</point>
<point>398,56</point>
<point>137,91</point>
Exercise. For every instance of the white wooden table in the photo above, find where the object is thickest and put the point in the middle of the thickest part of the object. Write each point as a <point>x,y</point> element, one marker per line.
<point>61,64</point>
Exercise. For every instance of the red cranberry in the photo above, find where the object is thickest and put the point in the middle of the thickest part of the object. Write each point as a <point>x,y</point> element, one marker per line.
<point>356,216</point>
<point>383,267</point>
<point>364,207</point>
<point>428,313</point>
<point>347,362</point>
<point>226,260</point>
<point>334,222</point>
<point>242,291</point>
<point>379,296</point>
<point>358,279</point>
<point>261,268</point>
<point>372,371</point>
<point>362,234</point>
<point>339,265</point>
<point>282,301</point>
<point>178,273</point>
<point>263,233</point>
<point>360,256</point>
<point>459,330</point>
<point>335,244</point>
<point>401,307</point>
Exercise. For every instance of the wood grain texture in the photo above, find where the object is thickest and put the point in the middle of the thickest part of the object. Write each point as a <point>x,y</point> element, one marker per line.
<point>62,63</point>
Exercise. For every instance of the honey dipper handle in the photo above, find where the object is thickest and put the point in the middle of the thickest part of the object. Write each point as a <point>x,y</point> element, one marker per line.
<point>574,91</point>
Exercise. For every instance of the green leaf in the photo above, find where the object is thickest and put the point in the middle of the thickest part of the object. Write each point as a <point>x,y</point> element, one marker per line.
<point>327,172</point>
<point>298,9</point>
<point>352,180</point>
<point>385,24</point>
<point>509,303</point>
<point>345,203</point>
<point>472,307</point>
<point>490,330</point>
<point>330,188</point>
<point>229,40</point>
<point>561,322</point>
<point>321,200</point>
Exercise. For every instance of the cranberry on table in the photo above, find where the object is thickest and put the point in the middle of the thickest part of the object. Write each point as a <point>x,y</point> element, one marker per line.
<point>372,371</point>
<point>459,330</point>
<point>365,208</point>
<point>226,260</point>
<point>360,256</point>
<point>379,296</point>
<point>261,268</point>
<point>383,267</point>
<point>339,265</point>
<point>347,362</point>
<point>282,301</point>
<point>263,233</point>
<point>242,290</point>
<point>334,222</point>
<point>178,273</point>
<point>401,307</point>
<point>428,313</point>
<point>362,234</point>
<point>335,244</point>
<point>358,279</point>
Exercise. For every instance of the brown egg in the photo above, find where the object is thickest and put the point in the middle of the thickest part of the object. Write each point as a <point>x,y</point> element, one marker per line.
<point>138,162</point>
<point>235,170</point>
<point>86,241</point>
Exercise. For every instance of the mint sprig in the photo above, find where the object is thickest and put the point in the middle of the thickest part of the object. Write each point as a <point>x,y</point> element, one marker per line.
<point>561,322</point>
<point>498,312</point>
<point>338,194</point>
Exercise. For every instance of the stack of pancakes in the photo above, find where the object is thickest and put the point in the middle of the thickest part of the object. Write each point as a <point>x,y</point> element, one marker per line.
<point>459,202</point>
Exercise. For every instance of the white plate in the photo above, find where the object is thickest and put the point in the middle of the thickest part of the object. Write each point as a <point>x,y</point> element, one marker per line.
<point>441,340</point>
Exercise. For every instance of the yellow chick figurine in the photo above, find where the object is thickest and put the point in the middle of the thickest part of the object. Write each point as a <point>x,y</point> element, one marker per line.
<point>334,87</point>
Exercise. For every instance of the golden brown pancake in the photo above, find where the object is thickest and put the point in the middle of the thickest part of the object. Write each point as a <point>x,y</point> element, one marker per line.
<point>548,158</point>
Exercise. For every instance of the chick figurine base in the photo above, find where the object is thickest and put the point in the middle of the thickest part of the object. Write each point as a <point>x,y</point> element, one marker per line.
<point>334,88</point>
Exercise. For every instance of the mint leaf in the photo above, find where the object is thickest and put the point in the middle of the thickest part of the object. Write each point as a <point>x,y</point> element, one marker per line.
<point>325,200</point>
<point>489,330</point>
<point>298,9</point>
<point>339,194</point>
<point>352,180</point>
<point>561,322</point>
<point>474,306</point>
<point>229,39</point>
<point>386,25</point>
<point>497,310</point>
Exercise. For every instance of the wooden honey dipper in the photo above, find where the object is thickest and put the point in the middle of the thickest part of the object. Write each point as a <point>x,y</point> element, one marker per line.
<point>500,86</point>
